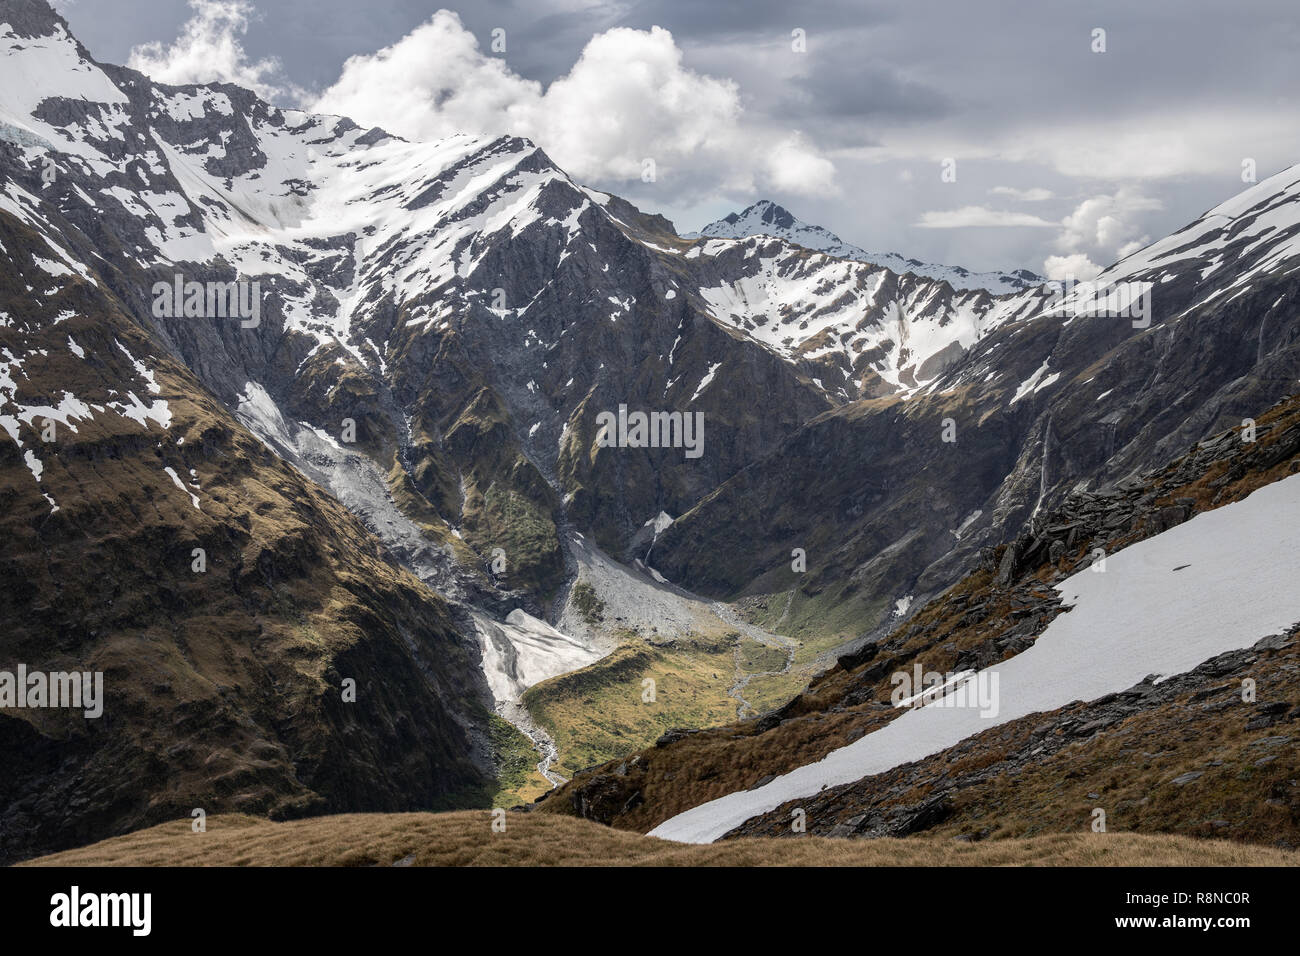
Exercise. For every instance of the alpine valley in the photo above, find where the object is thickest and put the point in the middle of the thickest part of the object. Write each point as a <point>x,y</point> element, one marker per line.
<point>386,534</point>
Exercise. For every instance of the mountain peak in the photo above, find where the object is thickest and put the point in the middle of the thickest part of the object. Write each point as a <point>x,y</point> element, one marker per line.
<point>33,18</point>
<point>766,212</point>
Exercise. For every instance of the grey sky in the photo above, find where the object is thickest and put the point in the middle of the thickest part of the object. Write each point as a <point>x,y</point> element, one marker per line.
<point>1132,142</point>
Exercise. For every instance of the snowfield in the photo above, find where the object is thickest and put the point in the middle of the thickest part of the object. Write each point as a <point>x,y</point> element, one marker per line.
<point>1235,583</point>
<point>523,650</point>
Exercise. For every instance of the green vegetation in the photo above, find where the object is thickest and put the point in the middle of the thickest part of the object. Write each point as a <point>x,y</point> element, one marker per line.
<point>821,622</point>
<point>508,518</point>
<point>756,658</point>
<point>589,606</point>
<point>608,709</point>
<point>604,711</point>
<point>772,690</point>
<point>518,779</point>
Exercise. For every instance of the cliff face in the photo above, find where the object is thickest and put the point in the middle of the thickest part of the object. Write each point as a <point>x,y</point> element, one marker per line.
<point>224,598</point>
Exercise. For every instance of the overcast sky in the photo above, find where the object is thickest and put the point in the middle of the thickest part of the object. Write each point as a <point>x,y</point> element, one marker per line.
<point>1066,157</point>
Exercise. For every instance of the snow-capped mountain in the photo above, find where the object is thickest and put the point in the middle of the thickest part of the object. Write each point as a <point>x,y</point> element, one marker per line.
<point>1067,388</point>
<point>434,334</point>
<point>399,280</point>
<point>863,330</point>
<point>766,218</point>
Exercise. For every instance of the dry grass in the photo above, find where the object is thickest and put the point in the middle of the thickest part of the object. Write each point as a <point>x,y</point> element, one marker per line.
<point>597,714</point>
<point>465,838</point>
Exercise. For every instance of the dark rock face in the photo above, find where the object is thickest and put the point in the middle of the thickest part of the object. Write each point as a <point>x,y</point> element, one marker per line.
<point>223,688</point>
<point>876,495</point>
<point>224,684</point>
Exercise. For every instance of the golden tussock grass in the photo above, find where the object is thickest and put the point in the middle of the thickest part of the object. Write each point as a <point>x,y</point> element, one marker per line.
<point>465,838</point>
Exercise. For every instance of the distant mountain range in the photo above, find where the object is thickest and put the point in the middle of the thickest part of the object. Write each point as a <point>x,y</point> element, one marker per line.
<point>766,218</point>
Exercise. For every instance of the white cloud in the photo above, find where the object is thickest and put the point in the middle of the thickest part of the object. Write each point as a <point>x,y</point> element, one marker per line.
<point>1160,145</point>
<point>795,167</point>
<point>1074,266</point>
<point>627,99</point>
<point>968,216</point>
<point>432,83</point>
<point>1036,194</point>
<point>1104,227</point>
<point>209,50</point>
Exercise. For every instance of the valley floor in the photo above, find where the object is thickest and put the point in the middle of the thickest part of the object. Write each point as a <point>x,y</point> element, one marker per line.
<point>467,838</point>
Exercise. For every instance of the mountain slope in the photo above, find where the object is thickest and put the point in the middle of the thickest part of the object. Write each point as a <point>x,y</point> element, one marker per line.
<point>991,621</point>
<point>1212,585</point>
<point>1051,399</point>
<point>224,598</point>
<point>228,602</point>
<point>766,218</point>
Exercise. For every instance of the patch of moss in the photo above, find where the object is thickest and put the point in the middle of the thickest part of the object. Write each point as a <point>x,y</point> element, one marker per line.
<point>588,604</point>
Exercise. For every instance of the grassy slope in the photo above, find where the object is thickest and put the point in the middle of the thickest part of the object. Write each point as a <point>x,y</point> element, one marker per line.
<point>597,713</point>
<point>821,624</point>
<point>518,779</point>
<point>466,838</point>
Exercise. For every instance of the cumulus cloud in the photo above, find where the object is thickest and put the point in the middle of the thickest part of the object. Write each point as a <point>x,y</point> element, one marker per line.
<point>968,216</point>
<point>627,99</point>
<point>1103,227</point>
<point>1074,266</point>
<point>210,50</point>
<point>795,167</point>
<point>432,83</point>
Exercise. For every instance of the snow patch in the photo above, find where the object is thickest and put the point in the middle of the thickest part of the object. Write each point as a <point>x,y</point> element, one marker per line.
<point>1234,587</point>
